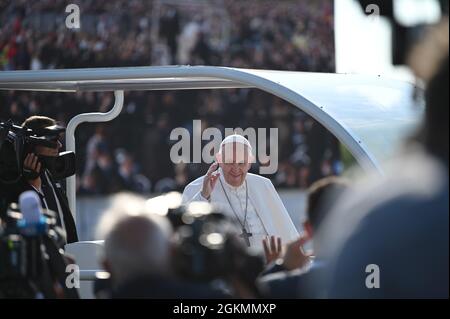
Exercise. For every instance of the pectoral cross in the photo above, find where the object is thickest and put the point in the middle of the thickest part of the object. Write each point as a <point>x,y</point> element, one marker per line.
<point>246,235</point>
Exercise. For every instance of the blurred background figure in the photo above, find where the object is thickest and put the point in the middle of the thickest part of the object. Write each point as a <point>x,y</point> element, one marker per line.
<point>129,175</point>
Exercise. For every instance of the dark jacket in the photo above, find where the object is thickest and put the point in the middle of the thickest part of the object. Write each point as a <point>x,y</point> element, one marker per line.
<point>12,192</point>
<point>295,284</point>
<point>161,287</point>
<point>71,229</point>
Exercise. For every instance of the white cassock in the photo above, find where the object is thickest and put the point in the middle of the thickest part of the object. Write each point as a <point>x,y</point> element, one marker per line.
<point>266,214</point>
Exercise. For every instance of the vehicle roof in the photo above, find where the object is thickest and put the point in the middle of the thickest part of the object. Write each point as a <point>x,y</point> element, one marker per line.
<point>369,114</point>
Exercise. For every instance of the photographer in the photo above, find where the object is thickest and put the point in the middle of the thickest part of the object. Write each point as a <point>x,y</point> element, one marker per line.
<point>39,174</point>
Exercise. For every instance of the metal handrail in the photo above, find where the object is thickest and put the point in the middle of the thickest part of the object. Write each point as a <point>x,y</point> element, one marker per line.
<point>70,139</point>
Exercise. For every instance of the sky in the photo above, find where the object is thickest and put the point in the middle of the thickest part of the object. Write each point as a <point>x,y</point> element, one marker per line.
<point>363,44</point>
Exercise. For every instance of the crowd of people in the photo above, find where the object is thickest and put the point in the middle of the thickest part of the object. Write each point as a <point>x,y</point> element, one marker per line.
<point>121,155</point>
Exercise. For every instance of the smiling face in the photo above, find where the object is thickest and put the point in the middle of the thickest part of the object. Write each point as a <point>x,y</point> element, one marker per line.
<point>235,160</point>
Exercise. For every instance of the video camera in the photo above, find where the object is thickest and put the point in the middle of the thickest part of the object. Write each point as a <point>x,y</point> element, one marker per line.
<point>208,247</point>
<point>17,142</point>
<point>31,261</point>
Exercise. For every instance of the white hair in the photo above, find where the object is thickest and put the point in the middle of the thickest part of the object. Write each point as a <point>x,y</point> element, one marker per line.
<point>137,242</point>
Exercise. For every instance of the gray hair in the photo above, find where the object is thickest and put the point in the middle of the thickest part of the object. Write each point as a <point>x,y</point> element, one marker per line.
<point>137,242</point>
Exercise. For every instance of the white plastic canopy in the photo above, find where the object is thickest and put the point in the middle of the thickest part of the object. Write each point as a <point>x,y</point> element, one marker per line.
<point>370,115</point>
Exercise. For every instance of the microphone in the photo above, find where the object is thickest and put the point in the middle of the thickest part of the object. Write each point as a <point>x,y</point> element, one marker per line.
<point>33,222</point>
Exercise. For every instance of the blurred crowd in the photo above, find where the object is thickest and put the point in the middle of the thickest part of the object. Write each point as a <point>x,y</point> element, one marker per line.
<point>132,152</point>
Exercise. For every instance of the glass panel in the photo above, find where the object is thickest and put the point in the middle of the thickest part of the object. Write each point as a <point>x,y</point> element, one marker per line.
<point>377,111</point>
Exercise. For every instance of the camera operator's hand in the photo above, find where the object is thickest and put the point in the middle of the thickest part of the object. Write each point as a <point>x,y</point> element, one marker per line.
<point>210,181</point>
<point>32,163</point>
<point>272,248</point>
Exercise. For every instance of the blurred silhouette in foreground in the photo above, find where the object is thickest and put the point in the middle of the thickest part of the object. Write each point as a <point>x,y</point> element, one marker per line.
<point>157,248</point>
<point>297,272</point>
<point>390,239</point>
<point>137,254</point>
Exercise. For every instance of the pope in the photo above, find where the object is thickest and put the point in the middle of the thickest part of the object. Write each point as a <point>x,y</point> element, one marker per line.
<point>249,199</point>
